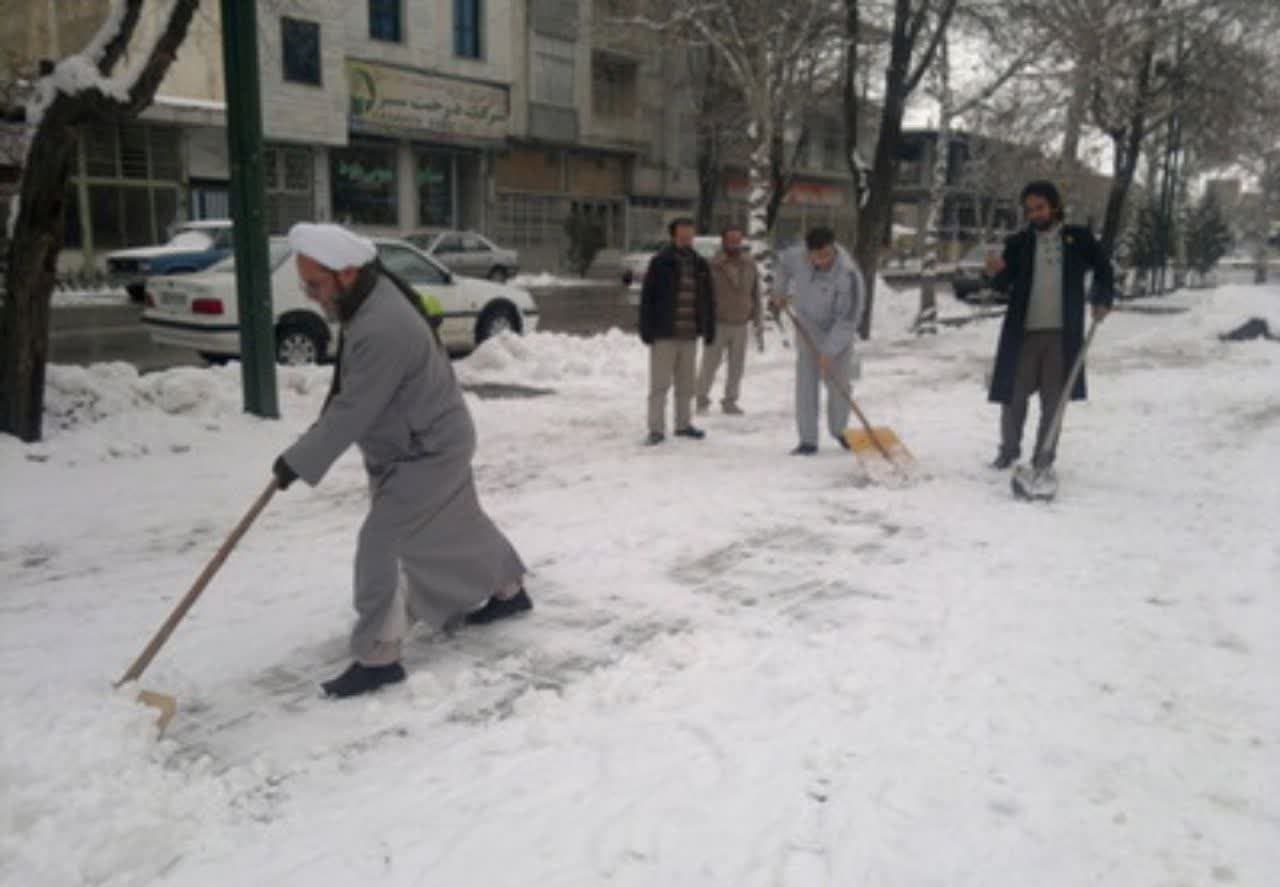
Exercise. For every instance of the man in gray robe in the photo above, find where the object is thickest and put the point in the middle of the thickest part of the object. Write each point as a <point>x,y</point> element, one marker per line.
<point>824,286</point>
<point>427,550</point>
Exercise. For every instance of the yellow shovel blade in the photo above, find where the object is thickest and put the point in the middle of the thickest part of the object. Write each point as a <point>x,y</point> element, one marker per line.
<point>166,705</point>
<point>862,444</point>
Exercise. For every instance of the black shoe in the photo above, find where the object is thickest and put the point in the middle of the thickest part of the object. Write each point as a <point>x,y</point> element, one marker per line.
<point>1003,460</point>
<point>842,440</point>
<point>359,679</point>
<point>805,449</point>
<point>691,433</point>
<point>654,438</point>
<point>500,608</point>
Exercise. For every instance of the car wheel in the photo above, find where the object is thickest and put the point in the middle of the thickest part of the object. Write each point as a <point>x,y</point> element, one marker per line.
<point>495,319</point>
<point>297,346</point>
<point>498,274</point>
<point>215,360</point>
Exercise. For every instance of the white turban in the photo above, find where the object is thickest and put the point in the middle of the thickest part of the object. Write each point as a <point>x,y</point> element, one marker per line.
<point>331,245</point>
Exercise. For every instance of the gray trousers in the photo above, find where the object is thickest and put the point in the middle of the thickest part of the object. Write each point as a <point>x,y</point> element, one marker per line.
<point>731,339</point>
<point>427,551</point>
<point>1040,368</point>
<point>808,377</point>
<point>671,360</point>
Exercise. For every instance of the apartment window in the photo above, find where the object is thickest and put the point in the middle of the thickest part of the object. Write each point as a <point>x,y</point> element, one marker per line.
<point>613,86</point>
<point>290,196</point>
<point>130,185</point>
<point>301,42</point>
<point>384,20</point>
<point>364,184</point>
<point>466,28</point>
<point>552,71</point>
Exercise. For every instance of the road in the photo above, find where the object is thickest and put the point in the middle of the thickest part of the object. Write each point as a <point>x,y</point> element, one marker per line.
<point>83,334</point>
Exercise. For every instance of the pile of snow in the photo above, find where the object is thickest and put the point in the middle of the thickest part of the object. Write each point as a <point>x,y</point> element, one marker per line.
<point>78,395</point>
<point>548,280</point>
<point>96,748</point>
<point>554,359</point>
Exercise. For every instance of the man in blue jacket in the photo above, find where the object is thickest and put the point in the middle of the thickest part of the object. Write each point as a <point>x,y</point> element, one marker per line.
<point>1043,270</point>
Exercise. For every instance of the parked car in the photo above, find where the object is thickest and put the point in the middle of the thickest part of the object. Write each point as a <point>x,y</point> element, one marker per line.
<point>200,311</point>
<point>193,247</point>
<point>465,252</point>
<point>636,262</point>
<point>969,281</point>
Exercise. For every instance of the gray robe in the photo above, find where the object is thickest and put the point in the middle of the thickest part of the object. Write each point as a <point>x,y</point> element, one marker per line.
<point>397,399</point>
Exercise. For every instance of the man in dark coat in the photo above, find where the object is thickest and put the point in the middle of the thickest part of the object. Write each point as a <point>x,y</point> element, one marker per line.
<point>676,309</point>
<point>1043,270</point>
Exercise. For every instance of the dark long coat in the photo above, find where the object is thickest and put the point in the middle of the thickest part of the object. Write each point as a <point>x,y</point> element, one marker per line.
<point>1081,252</point>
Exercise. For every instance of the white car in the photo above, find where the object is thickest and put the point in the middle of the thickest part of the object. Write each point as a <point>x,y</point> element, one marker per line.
<point>200,311</point>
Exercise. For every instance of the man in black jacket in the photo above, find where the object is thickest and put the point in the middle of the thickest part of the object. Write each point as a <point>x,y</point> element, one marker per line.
<point>1043,270</point>
<point>676,309</point>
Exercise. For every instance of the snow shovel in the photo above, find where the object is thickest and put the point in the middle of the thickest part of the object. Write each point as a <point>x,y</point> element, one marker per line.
<point>861,441</point>
<point>167,705</point>
<point>1029,482</point>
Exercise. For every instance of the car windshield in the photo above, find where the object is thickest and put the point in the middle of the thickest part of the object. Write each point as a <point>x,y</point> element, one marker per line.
<point>279,253</point>
<point>193,239</point>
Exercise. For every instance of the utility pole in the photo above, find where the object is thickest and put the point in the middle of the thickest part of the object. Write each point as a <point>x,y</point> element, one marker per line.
<point>244,148</point>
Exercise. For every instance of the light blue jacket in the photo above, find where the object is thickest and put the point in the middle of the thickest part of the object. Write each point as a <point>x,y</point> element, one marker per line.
<point>828,303</point>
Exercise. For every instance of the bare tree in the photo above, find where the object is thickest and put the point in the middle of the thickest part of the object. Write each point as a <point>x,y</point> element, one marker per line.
<point>771,54</point>
<point>81,88</point>
<point>916,28</point>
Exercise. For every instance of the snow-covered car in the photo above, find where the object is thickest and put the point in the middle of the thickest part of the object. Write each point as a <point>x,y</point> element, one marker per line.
<point>193,247</point>
<point>200,311</point>
<point>466,252</point>
<point>636,262</point>
<point>969,281</point>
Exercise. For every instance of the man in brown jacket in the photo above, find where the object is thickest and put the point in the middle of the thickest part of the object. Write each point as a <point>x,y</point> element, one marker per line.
<point>736,286</point>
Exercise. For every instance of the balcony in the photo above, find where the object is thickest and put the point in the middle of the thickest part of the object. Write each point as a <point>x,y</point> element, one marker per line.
<point>553,123</point>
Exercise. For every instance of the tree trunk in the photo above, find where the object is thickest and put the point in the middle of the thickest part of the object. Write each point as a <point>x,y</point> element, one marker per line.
<point>40,227</point>
<point>1076,108</point>
<point>873,221</point>
<point>708,178</point>
<point>709,146</point>
<point>32,271</point>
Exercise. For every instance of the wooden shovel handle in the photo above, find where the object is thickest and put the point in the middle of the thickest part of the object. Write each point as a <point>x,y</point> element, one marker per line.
<point>838,385</point>
<point>144,659</point>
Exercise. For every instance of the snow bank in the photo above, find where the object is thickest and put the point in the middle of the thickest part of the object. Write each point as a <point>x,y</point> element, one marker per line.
<point>90,797</point>
<point>547,279</point>
<point>554,359</point>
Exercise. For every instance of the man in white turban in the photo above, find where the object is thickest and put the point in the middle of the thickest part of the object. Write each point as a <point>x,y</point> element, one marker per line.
<point>427,550</point>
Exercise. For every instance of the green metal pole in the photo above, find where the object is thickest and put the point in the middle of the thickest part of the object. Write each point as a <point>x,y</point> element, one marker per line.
<point>244,147</point>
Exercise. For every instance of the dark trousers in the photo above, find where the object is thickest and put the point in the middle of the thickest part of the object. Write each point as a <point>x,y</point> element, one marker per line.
<point>1040,368</point>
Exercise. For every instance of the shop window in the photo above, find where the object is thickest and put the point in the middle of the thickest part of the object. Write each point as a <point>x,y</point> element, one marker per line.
<point>435,190</point>
<point>364,185</point>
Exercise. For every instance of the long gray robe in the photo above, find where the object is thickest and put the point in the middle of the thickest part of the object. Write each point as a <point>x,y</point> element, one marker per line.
<point>397,399</point>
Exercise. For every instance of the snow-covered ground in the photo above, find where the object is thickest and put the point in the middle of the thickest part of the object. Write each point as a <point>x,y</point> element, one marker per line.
<point>743,669</point>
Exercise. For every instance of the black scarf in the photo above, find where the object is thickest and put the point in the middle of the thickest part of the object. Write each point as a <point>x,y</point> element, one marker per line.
<point>349,303</point>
